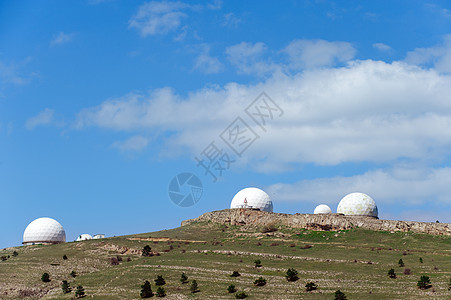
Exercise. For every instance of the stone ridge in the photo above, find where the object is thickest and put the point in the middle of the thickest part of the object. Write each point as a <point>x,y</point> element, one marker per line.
<point>334,222</point>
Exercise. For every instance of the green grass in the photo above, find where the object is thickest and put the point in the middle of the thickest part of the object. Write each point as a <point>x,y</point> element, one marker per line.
<point>354,261</point>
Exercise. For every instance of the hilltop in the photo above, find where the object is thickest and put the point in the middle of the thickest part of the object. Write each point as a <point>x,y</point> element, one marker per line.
<point>208,249</point>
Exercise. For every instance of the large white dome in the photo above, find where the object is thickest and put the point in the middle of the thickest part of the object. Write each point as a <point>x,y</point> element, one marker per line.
<point>44,231</point>
<point>252,198</point>
<point>322,209</point>
<point>357,204</point>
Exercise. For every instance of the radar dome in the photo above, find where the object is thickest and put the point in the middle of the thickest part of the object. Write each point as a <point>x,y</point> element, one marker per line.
<point>44,231</point>
<point>252,198</point>
<point>357,204</point>
<point>322,209</point>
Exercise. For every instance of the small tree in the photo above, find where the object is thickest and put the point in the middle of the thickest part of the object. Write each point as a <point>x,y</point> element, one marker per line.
<point>194,288</point>
<point>183,278</point>
<point>161,292</point>
<point>73,274</point>
<point>391,273</point>
<point>292,275</point>
<point>65,257</point>
<point>231,288</point>
<point>310,286</point>
<point>80,292</point>
<point>235,274</point>
<point>260,281</point>
<point>421,260</point>
<point>146,251</point>
<point>339,295</point>
<point>45,277</point>
<point>15,253</point>
<point>65,286</point>
<point>146,290</point>
<point>401,263</point>
<point>258,263</point>
<point>160,280</point>
<point>424,282</point>
<point>449,285</point>
<point>240,295</point>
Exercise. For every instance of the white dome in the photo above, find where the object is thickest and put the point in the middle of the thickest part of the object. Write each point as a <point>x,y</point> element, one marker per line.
<point>252,198</point>
<point>84,237</point>
<point>322,209</point>
<point>44,230</point>
<point>357,204</point>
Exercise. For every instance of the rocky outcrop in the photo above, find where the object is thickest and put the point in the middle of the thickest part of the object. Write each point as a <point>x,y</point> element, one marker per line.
<point>334,222</point>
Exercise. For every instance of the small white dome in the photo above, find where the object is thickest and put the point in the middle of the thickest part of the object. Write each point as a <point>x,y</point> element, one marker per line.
<point>322,209</point>
<point>84,237</point>
<point>43,231</point>
<point>252,198</point>
<point>357,204</point>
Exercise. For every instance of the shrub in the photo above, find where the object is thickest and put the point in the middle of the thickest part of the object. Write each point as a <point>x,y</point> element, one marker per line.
<point>421,260</point>
<point>80,292</point>
<point>424,282</point>
<point>183,278</point>
<point>114,261</point>
<point>306,247</point>
<point>391,273</point>
<point>129,258</point>
<point>45,277</point>
<point>339,295</point>
<point>235,274</point>
<point>65,287</point>
<point>146,290</point>
<point>231,288</point>
<point>407,271</point>
<point>65,257</point>
<point>310,286</point>
<point>73,274</point>
<point>240,295</point>
<point>15,253</point>
<point>146,251</point>
<point>260,281</point>
<point>4,258</point>
<point>258,263</point>
<point>401,263</point>
<point>194,288</point>
<point>449,284</point>
<point>119,258</point>
<point>160,280</point>
<point>161,292</point>
<point>292,275</point>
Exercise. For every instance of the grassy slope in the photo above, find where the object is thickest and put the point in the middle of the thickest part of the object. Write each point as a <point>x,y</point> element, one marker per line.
<point>337,260</point>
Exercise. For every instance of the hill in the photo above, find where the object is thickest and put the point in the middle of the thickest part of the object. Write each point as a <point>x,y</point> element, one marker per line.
<point>355,261</point>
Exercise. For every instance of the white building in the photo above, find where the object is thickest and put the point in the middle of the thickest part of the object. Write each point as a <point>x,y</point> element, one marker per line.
<point>357,204</point>
<point>44,231</point>
<point>83,237</point>
<point>252,198</point>
<point>322,209</point>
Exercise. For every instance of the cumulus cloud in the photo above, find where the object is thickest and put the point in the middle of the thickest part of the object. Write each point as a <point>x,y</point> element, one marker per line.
<point>249,58</point>
<point>134,143</point>
<point>318,53</point>
<point>45,117</point>
<point>382,47</point>
<point>437,56</point>
<point>62,38</point>
<point>206,63</point>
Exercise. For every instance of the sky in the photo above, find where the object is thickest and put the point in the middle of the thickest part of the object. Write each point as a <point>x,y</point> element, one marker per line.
<point>103,103</point>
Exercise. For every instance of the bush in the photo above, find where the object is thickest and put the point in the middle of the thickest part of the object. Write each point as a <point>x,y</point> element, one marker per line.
<point>160,280</point>
<point>407,271</point>
<point>311,286</point>
<point>240,295</point>
<point>119,258</point>
<point>231,288</point>
<point>73,274</point>
<point>183,278</point>
<point>401,263</point>
<point>161,292</point>
<point>45,277</point>
<point>194,288</point>
<point>258,263</point>
<point>15,253</point>
<point>391,273</point>
<point>449,285</point>
<point>80,292</point>
<point>292,275</point>
<point>339,295</point>
<point>65,287</point>
<point>64,257</point>
<point>235,274</point>
<point>146,290</point>
<point>146,251</point>
<point>424,282</point>
<point>421,260</point>
<point>260,281</point>
<point>4,258</point>
<point>114,261</point>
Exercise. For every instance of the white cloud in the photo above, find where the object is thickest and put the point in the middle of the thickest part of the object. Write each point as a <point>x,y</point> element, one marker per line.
<point>231,20</point>
<point>248,58</point>
<point>206,63</point>
<point>437,56</point>
<point>62,38</point>
<point>45,117</point>
<point>318,53</point>
<point>382,47</point>
<point>12,73</point>
<point>135,143</point>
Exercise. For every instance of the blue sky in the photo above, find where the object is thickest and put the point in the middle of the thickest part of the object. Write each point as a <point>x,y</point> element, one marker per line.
<point>102,103</point>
